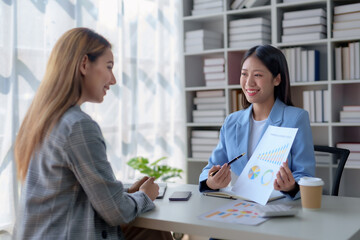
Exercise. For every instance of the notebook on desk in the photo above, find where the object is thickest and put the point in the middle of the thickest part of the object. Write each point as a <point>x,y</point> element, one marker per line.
<point>162,189</point>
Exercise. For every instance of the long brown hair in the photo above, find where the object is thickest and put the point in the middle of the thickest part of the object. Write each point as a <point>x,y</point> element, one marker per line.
<point>59,90</point>
<point>275,62</point>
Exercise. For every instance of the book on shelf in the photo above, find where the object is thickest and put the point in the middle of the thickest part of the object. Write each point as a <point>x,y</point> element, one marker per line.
<point>205,133</point>
<point>313,65</point>
<point>202,47</point>
<point>228,193</point>
<point>345,57</point>
<point>204,155</point>
<point>357,60</point>
<point>234,100</point>
<point>304,66</point>
<point>202,41</point>
<point>348,8</point>
<point>303,37</point>
<point>209,113</point>
<point>347,17</point>
<point>196,12</point>
<point>349,114</point>
<point>208,4</point>
<point>354,156</point>
<point>295,1</point>
<point>352,60</point>
<point>298,64</point>
<point>304,29</point>
<point>338,63</point>
<point>351,146</point>
<point>214,61</point>
<point>318,12</point>
<point>249,36</point>
<point>203,33</point>
<point>346,32</point>
<point>319,106</point>
<point>214,69</point>
<point>249,29</point>
<point>346,24</point>
<point>210,106</point>
<point>352,164</point>
<point>198,100</point>
<point>249,22</point>
<point>202,148</point>
<point>215,83</point>
<point>351,108</point>
<point>303,21</point>
<point>312,106</point>
<point>210,93</point>
<point>213,76</point>
<point>326,101</point>
<point>255,3</point>
<point>306,102</point>
<point>205,141</point>
<point>237,4</point>
<point>248,44</point>
<point>208,119</point>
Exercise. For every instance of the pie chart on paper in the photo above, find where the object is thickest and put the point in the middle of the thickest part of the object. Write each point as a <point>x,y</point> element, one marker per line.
<point>254,172</point>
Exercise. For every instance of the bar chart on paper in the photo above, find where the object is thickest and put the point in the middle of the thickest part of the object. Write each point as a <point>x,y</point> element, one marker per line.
<point>241,212</point>
<point>256,180</point>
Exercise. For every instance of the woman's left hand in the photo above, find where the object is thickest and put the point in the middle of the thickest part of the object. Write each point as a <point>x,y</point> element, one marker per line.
<point>135,187</point>
<point>284,179</point>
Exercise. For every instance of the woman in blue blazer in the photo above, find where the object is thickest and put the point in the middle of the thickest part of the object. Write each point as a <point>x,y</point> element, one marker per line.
<point>265,83</point>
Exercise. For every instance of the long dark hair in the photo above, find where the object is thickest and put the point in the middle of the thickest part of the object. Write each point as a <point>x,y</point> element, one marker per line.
<point>275,62</point>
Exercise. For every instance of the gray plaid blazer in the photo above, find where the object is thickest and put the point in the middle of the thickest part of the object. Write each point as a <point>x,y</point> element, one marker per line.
<point>70,191</point>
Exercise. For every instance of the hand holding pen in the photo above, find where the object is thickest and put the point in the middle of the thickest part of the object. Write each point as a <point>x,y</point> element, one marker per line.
<point>231,162</point>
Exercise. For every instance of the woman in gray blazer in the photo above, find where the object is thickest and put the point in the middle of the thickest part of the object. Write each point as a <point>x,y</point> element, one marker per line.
<point>266,101</point>
<point>69,188</point>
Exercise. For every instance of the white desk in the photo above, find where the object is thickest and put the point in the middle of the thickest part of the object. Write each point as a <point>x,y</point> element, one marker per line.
<point>339,218</point>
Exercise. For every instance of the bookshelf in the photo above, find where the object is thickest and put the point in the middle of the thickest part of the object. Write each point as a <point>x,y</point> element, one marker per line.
<point>340,92</point>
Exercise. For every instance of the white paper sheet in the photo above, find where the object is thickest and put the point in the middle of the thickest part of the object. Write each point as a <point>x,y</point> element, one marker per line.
<point>256,182</point>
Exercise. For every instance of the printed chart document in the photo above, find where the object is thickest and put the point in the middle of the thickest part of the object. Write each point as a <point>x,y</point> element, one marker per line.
<point>256,181</point>
<point>241,212</point>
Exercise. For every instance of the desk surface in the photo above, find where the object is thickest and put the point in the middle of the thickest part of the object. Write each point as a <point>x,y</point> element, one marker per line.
<point>339,218</point>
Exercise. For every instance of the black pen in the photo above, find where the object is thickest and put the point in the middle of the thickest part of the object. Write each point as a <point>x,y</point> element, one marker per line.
<point>213,173</point>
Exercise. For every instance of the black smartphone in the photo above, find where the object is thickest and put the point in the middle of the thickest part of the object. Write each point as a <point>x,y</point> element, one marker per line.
<point>180,196</point>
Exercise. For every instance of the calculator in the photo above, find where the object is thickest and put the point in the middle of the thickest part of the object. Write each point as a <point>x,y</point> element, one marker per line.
<point>275,210</point>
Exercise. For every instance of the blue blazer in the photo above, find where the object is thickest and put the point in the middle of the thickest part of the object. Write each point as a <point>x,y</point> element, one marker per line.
<point>234,138</point>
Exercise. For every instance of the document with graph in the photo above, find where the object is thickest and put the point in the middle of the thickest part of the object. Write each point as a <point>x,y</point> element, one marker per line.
<point>256,182</point>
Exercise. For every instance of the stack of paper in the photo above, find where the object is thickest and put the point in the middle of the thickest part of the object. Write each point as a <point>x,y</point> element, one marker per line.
<point>202,7</point>
<point>246,33</point>
<point>210,107</point>
<point>214,72</point>
<point>203,143</point>
<point>304,25</point>
<point>346,20</point>
<point>200,40</point>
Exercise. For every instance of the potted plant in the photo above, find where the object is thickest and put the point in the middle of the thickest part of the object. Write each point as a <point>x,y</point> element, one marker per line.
<point>164,172</point>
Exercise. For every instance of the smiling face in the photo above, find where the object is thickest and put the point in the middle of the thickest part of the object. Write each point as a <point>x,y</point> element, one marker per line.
<point>258,83</point>
<point>97,77</point>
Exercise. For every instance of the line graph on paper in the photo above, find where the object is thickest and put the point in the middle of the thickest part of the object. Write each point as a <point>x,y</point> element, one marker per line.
<point>274,156</point>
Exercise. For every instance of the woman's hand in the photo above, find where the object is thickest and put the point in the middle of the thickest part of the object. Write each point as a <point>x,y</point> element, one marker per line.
<point>284,179</point>
<point>135,187</point>
<point>150,188</point>
<point>221,179</point>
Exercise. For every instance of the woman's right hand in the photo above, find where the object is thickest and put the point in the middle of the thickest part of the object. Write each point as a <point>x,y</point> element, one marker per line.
<point>221,179</point>
<point>150,188</point>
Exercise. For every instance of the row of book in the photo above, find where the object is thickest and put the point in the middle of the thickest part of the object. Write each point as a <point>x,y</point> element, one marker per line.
<point>350,114</point>
<point>304,65</point>
<point>238,4</point>
<point>203,143</point>
<point>201,7</point>
<point>304,25</point>
<point>354,156</point>
<point>246,33</point>
<point>347,61</point>
<point>214,72</point>
<point>209,106</point>
<point>346,20</point>
<point>200,40</point>
<point>236,100</point>
<point>316,103</point>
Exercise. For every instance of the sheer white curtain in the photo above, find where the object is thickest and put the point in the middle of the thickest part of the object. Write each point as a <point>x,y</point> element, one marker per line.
<point>142,115</point>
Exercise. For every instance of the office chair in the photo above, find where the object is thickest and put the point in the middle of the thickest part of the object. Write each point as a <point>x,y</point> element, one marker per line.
<point>341,154</point>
